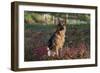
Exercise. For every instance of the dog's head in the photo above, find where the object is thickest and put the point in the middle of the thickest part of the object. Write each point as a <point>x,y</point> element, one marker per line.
<point>61,24</point>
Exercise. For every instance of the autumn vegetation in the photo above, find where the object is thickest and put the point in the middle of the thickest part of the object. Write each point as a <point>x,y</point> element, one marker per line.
<point>39,26</point>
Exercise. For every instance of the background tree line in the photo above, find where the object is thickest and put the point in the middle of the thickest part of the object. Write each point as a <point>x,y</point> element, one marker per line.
<point>51,18</point>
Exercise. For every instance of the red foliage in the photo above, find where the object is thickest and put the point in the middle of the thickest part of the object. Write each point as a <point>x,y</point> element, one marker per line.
<point>67,53</point>
<point>77,52</point>
<point>40,52</point>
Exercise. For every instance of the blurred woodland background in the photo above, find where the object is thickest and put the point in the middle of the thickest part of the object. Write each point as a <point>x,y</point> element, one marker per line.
<point>39,26</point>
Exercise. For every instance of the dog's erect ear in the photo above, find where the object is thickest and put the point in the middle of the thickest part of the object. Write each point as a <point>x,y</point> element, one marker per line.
<point>62,20</point>
<point>65,20</point>
<point>58,20</point>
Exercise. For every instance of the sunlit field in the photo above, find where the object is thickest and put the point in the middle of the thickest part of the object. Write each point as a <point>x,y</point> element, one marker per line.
<point>37,32</point>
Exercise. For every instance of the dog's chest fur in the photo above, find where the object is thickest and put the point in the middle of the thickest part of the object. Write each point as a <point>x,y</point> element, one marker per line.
<point>60,39</point>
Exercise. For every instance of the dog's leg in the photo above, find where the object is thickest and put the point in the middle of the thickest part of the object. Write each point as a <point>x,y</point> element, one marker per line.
<point>57,52</point>
<point>60,52</point>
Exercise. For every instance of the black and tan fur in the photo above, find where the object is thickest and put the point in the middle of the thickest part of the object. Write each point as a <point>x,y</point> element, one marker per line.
<point>56,42</point>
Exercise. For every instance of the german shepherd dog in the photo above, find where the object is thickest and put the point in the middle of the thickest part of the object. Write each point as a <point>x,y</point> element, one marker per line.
<point>56,42</point>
